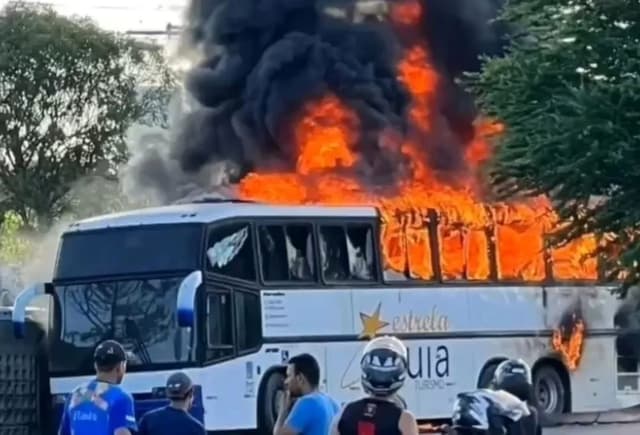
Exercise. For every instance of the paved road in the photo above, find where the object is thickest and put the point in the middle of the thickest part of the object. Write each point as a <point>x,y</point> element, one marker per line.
<point>602,429</point>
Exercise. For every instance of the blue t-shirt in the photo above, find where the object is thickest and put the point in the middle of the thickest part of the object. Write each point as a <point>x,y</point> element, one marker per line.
<point>170,421</point>
<point>97,408</point>
<point>313,414</point>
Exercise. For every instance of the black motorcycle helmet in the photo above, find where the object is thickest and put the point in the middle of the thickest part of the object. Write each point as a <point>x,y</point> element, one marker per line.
<point>514,376</point>
<point>486,412</point>
<point>383,366</point>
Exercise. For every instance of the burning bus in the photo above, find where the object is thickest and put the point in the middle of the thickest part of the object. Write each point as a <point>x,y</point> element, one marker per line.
<point>229,290</point>
<point>361,209</point>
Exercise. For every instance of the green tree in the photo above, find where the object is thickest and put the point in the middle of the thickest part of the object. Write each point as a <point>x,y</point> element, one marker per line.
<point>568,91</point>
<point>14,247</point>
<point>68,93</point>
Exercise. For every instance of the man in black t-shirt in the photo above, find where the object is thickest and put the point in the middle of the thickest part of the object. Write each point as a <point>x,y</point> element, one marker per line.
<point>173,419</point>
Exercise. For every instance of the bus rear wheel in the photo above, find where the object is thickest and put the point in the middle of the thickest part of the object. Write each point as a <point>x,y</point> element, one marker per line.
<point>549,392</point>
<point>269,401</point>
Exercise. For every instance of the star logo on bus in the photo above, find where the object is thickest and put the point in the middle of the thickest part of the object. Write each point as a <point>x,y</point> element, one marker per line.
<point>371,324</point>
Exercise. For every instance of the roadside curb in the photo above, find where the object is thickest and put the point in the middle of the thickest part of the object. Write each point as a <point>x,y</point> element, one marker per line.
<point>619,416</point>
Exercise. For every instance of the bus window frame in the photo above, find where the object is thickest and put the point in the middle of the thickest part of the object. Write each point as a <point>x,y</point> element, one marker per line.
<point>320,283</point>
<point>257,347</point>
<point>211,227</point>
<point>213,286</point>
<point>344,223</point>
<point>210,290</point>
<point>284,222</point>
<point>431,229</point>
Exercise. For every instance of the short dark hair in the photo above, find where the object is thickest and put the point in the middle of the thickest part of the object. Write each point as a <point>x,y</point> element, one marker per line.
<point>307,366</point>
<point>108,355</point>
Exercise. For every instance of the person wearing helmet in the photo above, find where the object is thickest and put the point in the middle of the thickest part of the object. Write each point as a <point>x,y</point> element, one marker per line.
<point>514,376</point>
<point>384,368</point>
<point>488,412</point>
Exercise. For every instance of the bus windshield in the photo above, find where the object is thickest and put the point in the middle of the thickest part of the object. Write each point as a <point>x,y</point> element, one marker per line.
<point>140,313</point>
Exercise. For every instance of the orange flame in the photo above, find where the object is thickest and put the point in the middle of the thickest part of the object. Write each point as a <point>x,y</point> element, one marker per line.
<point>326,136</point>
<point>406,12</point>
<point>570,344</point>
<point>325,139</point>
<point>421,81</point>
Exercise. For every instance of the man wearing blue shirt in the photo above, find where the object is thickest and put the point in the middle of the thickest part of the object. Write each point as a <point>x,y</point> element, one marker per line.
<point>101,407</point>
<point>313,411</point>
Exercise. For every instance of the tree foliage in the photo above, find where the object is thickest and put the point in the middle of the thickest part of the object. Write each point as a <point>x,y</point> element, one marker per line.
<point>68,93</point>
<point>568,91</point>
<point>14,247</point>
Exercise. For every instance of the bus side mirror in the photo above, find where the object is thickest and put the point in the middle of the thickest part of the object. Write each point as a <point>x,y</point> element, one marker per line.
<point>186,300</point>
<point>19,313</point>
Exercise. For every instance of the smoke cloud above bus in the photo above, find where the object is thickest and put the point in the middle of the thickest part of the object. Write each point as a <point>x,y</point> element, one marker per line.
<point>264,60</point>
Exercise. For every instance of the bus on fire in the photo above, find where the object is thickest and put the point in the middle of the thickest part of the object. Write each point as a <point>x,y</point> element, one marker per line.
<point>228,290</point>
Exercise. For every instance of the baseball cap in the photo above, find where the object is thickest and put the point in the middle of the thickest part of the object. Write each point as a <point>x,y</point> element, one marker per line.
<point>109,352</point>
<point>178,385</point>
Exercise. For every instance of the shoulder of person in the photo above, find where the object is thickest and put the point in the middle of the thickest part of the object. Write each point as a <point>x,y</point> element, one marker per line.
<point>123,394</point>
<point>150,415</point>
<point>194,421</point>
<point>117,394</point>
<point>310,398</point>
<point>406,421</point>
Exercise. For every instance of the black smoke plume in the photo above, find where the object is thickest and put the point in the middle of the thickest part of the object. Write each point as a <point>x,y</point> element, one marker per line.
<point>263,59</point>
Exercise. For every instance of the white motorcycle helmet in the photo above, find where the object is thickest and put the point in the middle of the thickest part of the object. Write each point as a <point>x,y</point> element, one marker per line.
<point>384,366</point>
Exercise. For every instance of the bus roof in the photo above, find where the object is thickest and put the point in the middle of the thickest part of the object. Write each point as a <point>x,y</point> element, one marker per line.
<point>210,212</point>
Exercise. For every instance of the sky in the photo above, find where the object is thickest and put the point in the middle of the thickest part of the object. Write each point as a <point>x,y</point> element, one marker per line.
<point>122,15</point>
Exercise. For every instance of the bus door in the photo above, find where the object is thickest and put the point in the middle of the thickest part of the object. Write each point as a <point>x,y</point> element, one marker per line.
<point>233,333</point>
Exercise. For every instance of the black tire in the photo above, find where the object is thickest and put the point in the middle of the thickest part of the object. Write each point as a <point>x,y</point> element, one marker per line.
<point>268,402</point>
<point>549,393</point>
<point>486,376</point>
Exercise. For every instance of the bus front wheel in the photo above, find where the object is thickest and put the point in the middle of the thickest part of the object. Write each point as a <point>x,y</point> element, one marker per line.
<point>549,391</point>
<point>269,401</point>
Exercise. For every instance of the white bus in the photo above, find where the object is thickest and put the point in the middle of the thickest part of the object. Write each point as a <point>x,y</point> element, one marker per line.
<point>228,291</point>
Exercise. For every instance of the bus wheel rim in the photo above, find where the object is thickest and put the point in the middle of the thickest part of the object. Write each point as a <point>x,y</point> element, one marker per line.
<point>547,395</point>
<point>277,400</point>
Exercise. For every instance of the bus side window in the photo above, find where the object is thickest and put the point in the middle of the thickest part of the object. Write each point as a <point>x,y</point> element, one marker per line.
<point>273,250</point>
<point>300,252</point>
<point>360,249</point>
<point>347,253</point>
<point>286,252</point>
<point>333,253</point>
<point>230,251</point>
<point>219,327</point>
<point>248,320</point>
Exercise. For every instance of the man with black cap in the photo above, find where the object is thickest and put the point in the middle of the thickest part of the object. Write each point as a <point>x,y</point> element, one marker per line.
<point>101,406</point>
<point>173,419</point>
